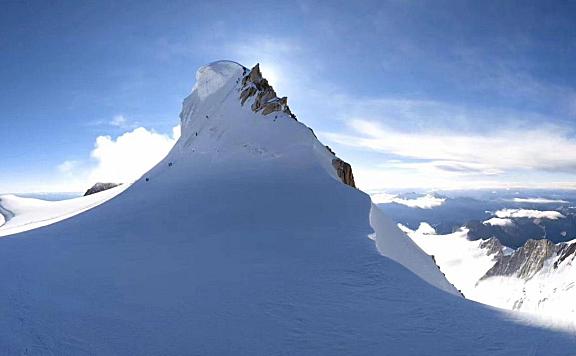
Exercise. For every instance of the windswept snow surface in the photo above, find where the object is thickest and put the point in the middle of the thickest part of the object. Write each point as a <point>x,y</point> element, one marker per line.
<point>23,214</point>
<point>247,244</point>
<point>550,293</point>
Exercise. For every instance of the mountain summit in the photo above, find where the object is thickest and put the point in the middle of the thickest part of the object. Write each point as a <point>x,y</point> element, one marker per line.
<point>234,113</point>
<point>242,241</point>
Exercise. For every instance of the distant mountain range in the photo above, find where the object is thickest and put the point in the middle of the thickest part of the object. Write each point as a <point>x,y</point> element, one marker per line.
<point>517,253</point>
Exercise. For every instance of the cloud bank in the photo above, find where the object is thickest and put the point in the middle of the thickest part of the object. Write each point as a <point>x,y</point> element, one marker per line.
<point>425,202</point>
<point>498,222</point>
<point>537,148</point>
<point>121,159</point>
<point>125,158</point>
<point>539,201</point>
<point>526,213</point>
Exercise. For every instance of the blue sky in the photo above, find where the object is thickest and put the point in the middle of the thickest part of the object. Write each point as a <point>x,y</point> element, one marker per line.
<point>415,94</point>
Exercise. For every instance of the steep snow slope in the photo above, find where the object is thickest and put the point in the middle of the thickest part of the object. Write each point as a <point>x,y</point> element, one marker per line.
<point>18,214</point>
<point>394,244</point>
<point>242,241</point>
<point>463,261</point>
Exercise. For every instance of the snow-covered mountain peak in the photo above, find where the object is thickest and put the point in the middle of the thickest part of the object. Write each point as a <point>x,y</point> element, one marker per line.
<point>234,118</point>
<point>214,76</point>
<point>214,81</point>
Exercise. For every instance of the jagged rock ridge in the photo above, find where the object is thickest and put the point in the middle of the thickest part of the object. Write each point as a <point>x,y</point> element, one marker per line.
<point>566,252</point>
<point>525,262</point>
<point>266,102</point>
<point>492,247</point>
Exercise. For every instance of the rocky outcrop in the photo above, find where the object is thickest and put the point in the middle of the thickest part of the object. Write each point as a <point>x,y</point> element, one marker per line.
<point>265,99</point>
<point>99,187</point>
<point>267,102</point>
<point>344,171</point>
<point>492,247</point>
<point>525,262</point>
<point>566,252</point>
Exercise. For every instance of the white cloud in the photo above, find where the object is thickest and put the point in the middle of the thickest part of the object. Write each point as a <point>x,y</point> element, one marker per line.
<point>118,121</point>
<point>127,157</point>
<point>382,198</point>
<point>425,202</point>
<point>526,213</point>
<point>538,148</point>
<point>67,166</point>
<point>499,222</point>
<point>539,200</point>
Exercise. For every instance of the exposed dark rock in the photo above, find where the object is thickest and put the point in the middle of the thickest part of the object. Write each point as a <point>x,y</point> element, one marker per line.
<point>525,262</point>
<point>344,171</point>
<point>493,247</point>
<point>565,251</point>
<point>266,101</point>
<point>99,187</point>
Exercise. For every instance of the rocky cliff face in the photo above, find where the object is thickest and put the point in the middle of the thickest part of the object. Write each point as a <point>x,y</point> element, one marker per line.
<point>525,262</point>
<point>344,171</point>
<point>492,247</point>
<point>99,187</point>
<point>266,102</point>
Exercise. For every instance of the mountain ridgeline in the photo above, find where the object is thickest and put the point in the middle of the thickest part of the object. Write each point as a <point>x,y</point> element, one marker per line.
<point>267,102</point>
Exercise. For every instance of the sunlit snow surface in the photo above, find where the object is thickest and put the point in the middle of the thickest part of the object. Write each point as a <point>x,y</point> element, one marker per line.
<point>18,214</point>
<point>243,242</point>
<point>550,294</point>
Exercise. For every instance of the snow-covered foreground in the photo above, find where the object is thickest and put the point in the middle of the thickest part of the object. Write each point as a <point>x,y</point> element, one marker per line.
<point>18,214</point>
<point>243,241</point>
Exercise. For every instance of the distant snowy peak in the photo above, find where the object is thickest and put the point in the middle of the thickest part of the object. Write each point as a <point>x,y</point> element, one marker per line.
<point>525,262</point>
<point>532,257</point>
<point>235,114</point>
